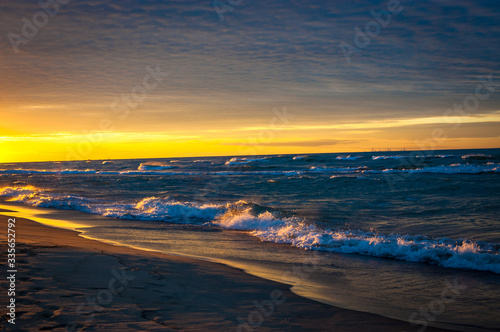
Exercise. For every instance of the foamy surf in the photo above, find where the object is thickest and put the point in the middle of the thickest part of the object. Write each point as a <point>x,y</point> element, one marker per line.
<point>150,208</point>
<point>162,170</point>
<point>459,253</point>
<point>271,226</point>
<point>450,169</point>
<point>348,157</point>
<point>154,166</point>
<point>236,161</point>
<point>47,171</point>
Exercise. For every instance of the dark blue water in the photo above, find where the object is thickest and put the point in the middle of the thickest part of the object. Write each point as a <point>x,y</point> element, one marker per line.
<point>433,209</point>
<point>422,206</point>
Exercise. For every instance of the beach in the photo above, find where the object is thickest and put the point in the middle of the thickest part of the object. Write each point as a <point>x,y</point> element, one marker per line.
<point>217,243</point>
<point>246,166</point>
<point>66,282</point>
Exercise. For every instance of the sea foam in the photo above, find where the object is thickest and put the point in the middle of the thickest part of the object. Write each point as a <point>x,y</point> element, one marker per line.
<point>270,225</point>
<point>152,166</point>
<point>348,157</point>
<point>242,161</point>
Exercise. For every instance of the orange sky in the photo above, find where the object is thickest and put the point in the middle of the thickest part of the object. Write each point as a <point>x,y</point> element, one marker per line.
<point>275,137</point>
<point>171,79</point>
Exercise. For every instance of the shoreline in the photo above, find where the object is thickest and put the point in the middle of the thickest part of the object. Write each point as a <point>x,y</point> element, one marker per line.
<point>65,283</point>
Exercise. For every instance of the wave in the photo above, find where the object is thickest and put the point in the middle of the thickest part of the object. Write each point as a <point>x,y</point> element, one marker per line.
<point>477,156</point>
<point>76,171</point>
<point>161,209</point>
<point>440,156</point>
<point>350,176</point>
<point>43,198</point>
<point>325,169</point>
<point>46,171</point>
<point>289,173</point>
<point>461,253</point>
<point>154,166</point>
<point>160,171</point>
<point>451,169</point>
<point>388,157</point>
<point>150,208</point>
<point>443,169</point>
<point>299,157</point>
<point>411,156</point>
<point>348,157</point>
<point>149,170</point>
<point>243,161</point>
<point>272,226</point>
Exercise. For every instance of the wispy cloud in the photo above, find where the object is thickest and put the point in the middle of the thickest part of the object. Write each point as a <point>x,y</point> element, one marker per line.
<point>396,123</point>
<point>297,143</point>
<point>227,76</point>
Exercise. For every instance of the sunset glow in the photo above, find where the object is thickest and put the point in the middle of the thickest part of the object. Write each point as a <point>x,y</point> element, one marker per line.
<point>104,81</point>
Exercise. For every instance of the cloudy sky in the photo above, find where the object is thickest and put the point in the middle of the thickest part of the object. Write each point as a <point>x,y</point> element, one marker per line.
<point>103,79</point>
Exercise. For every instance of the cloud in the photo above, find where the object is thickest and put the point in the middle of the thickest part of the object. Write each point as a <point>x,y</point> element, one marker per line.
<point>264,54</point>
<point>304,143</point>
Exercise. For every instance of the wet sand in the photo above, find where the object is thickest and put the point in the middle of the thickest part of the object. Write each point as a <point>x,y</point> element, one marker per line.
<point>67,283</point>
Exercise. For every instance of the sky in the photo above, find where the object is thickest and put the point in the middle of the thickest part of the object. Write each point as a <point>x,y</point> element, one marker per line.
<point>109,79</point>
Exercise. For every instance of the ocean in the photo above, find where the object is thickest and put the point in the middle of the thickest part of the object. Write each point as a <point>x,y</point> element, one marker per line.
<point>381,232</point>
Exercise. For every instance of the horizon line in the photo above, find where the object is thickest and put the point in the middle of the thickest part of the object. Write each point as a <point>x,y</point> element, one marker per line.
<point>241,155</point>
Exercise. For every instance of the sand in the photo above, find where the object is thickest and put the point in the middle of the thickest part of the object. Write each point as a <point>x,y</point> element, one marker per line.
<point>68,283</point>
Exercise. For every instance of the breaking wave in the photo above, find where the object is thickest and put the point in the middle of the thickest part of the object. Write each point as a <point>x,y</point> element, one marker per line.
<point>348,157</point>
<point>272,226</point>
<point>451,169</point>
<point>49,172</point>
<point>150,208</point>
<point>411,156</point>
<point>325,169</point>
<point>388,157</point>
<point>243,161</point>
<point>152,166</point>
<point>162,169</point>
<point>477,157</point>
<point>460,253</point>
